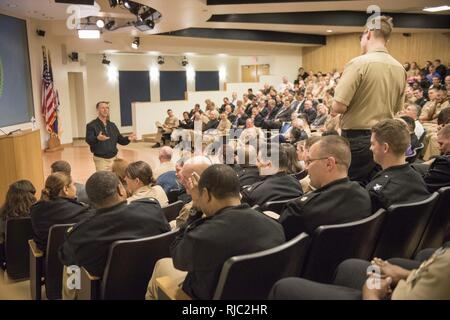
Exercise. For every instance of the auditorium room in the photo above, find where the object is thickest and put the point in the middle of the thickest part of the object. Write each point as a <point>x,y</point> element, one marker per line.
<point>224,150</point>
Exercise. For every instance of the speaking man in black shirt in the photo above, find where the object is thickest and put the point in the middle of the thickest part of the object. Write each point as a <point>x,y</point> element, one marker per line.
<point>102,136</point>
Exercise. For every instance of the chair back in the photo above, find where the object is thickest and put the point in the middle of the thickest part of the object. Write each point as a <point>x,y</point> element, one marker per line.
<point>172,210</point>
<point>434,234</point>
<point>335,243</point>
<point>172,195</point>
<point>54,267</point>
<point>130,265</point>
<point>252,276</point>
<point>275,206</point>
<point>403,228</point>
<point>17,233</point>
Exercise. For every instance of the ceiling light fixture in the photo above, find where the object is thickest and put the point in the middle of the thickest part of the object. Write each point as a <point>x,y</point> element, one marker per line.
<point>437,9</point>
<point>135,44</point>
<point>89,34</point>
<point>100,23</point>
<point>105,60</point>
<point>329,31</point>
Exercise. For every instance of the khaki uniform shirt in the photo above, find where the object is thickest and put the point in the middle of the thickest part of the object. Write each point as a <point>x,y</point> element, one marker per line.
<point>170,124</point>
<point>432,109</point>
<point>224,126</point>
<point>373,89</point>
<point>430,281</point>
<point>155,192</point>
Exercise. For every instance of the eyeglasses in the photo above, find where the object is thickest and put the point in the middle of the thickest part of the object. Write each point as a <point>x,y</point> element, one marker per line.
<point>309,161</point>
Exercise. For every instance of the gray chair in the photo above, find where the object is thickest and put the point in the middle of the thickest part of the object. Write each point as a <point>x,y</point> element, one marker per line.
<point>128,269</point>
<point>403,228</point>
<point>434,234</point>
<point>251,276</point>
<point>335,243</point>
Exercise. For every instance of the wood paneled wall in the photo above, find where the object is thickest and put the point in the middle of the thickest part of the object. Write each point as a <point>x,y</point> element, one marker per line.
<point>340,49</point>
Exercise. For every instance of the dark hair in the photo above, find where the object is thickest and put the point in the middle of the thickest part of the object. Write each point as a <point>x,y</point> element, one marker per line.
<point>19,198</point>
<point>61,166</point>
<point>410,122</point>
<point>293,165</point>
<point>444,116</point>
<point>100,102</point>
<point>54,184</point>
<point>221,181</point>
<point>393,132</point>
<point>101,186</point>
<point>140,170</point>
<point>330,133</point>
<point>267,151</point>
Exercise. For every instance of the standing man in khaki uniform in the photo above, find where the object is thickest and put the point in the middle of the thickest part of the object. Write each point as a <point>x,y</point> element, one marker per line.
<point>371,89</point>
<point>165,130</point>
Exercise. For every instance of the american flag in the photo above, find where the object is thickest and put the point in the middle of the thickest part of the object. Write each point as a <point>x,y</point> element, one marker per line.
<point>50,101</point>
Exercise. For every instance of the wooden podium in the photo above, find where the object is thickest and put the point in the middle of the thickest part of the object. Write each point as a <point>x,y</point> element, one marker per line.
<point>21,158</point>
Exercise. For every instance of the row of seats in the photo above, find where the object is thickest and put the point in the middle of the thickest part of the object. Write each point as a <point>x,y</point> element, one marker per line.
<point>401,231</point>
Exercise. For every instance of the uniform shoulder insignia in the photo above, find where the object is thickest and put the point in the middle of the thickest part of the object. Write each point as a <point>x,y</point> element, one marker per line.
<point>377,187</point>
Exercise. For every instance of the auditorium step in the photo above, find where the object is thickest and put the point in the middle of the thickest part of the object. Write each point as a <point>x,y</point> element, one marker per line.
<point>149,137</point>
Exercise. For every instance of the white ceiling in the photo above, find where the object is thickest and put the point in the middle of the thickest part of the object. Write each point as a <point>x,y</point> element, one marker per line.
<point>182,14</point>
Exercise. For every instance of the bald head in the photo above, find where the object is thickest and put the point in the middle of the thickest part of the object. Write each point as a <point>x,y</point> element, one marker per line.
<point>195,164</point>
<point>165,154</point>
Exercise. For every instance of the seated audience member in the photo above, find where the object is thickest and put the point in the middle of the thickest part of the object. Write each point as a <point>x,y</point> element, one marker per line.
<point>87,244</point>
<point>276,184</point>
<point>64,167</point>
<point>212,124</point>
<point>239,120</point>
<point>302,155</point>
<point>57,205</point>
<point>256,117</point>
<point>168,181</point>
<point>224,125</point>
<point>429,280</point>
<point>309,111</point>
<point>19,198</point>
<point>229,229</point>
<point>322,115</point>
<point>293,164</point>
<point>165,161</point>
<point>332,122</point>
<point>414,141</point>
<point>250,134</point>
<point>269,114</point>
<point>283,115</point>
<point>189,212</point>
<point>411,111</point>
<point>432,109</point>
<point>195,110</point>
<point>436,172</point>
<point>247,171</point>
<point>165,130</point>
<point>297,132</point>
<point>140,182</point>
<point>397,183</point>
<point>335,199</point>
<point>420,99</point>
<point>119,168</point>
<point>186,122</point>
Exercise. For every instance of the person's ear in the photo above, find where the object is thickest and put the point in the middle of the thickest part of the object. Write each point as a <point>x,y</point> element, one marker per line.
<point>121,190</point>
<point>385,147</point>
